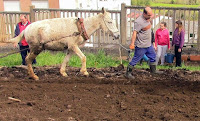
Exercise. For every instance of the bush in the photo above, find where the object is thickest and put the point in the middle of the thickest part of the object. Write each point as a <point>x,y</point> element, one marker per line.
<point>172,1</point>
<point>141,2</point>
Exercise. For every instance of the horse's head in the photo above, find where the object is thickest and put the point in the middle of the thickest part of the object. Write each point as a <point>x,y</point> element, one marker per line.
<point>108,25</point>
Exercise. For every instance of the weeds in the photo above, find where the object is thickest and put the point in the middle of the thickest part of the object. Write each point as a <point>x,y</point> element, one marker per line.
<point>98,60</point>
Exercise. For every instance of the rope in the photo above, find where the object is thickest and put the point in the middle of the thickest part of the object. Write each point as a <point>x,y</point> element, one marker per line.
<point>128,50</point>
<point>12,53</point>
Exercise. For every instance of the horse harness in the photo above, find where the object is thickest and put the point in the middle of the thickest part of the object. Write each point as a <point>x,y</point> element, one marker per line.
<point>81,31</point>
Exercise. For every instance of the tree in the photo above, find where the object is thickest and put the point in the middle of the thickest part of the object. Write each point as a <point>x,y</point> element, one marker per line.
<point>133,2</point>
<point>141,2</point>
<point>147,2</point>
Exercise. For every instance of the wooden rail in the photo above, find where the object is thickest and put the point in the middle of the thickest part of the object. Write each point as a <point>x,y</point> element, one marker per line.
<point>124,21</point>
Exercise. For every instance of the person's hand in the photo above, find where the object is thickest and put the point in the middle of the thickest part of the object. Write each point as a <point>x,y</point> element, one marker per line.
<point>168,48</point>
<point>15,45</point>
<point>132,46</point>
<point>179,50</point>
<point>155,47</point>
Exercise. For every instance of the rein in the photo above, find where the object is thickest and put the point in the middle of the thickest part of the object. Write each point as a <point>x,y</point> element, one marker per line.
<point>12,53</point>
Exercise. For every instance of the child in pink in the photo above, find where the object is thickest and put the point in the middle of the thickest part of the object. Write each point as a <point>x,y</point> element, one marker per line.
<point>162,42</point>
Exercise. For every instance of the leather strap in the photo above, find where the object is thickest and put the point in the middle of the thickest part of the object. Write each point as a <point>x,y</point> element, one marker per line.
<point>81,28</point>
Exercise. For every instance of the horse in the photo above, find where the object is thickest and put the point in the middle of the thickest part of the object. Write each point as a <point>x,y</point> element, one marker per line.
<point>64,34</point>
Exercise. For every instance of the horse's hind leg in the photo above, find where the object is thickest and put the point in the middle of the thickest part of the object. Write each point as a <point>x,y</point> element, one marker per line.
<point>29,59</point>
<point>65,63</point>
<point>83,60</point>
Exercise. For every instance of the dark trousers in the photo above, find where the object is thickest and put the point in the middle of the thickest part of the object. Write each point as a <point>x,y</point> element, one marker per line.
<point>139,53</point>
<point>178,56</point>
<point>24,51</point>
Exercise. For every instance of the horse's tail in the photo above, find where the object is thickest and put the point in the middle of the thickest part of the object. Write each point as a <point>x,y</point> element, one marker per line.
<point>17,39</point>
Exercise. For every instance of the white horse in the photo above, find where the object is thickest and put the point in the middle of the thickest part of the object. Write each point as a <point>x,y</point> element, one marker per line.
<point>62,34</point>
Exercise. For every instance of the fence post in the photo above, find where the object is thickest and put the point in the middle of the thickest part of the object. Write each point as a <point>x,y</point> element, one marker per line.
<point>173,21</point>
<point>123,29</point>
<point>198,38</point>
<point>32,14</point>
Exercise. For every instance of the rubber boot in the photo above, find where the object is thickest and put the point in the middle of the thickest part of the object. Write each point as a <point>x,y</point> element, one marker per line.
<point>129,72</point>
<point>153,69</point>
<point>148,62</point>
<point>141,62</point>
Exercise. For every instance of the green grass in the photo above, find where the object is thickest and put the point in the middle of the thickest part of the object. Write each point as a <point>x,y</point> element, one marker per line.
<point>191,68</point>
<point>173,5</point>
<point>10,60</point>
<point>99,60</point>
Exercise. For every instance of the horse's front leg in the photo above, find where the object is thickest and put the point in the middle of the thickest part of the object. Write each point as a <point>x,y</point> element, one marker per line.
<point>83,70</point>
<point>29,59</point>
<point>65,63</point>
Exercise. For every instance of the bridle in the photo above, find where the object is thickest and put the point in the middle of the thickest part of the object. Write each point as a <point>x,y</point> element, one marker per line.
<point>109,28</point>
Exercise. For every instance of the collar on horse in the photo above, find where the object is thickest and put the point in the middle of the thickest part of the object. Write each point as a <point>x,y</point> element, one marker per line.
<point>81,29</point>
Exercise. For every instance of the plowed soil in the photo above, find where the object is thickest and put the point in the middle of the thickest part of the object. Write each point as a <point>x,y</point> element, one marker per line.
<point>106,95</point>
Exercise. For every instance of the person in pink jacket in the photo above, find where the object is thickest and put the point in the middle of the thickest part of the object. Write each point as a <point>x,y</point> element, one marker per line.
<point>162,42</point>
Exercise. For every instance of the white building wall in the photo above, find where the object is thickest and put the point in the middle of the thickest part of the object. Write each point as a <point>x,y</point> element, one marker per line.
<point>40,4</point>
<point>93,4</point>
<point>112,4</point>
<point>11,5</point>
<point>66,4</point>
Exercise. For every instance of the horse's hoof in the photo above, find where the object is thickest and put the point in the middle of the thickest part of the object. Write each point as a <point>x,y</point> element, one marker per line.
<point>86,74</point>
<point>36,78</point>
<point>64,74</point>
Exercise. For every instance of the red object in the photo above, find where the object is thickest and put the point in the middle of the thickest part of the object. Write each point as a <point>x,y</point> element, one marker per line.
<point>83,30</point>
<point>162,37</point>
<point>194,57</point>
<point>21,28</point>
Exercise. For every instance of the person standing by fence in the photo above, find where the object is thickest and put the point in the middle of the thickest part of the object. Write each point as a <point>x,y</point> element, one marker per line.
<point>162,42</point>
<point>23,45</point>
<point>141,41</point>
<point>178,41</point>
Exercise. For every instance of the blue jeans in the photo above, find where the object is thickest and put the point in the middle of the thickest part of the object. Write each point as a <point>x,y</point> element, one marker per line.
<point>139,53</point>
<point>24,54</point>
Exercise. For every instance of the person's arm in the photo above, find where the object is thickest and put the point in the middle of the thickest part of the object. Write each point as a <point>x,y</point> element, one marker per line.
<point>17,31</point>
<point>182,39</point>
<point>132,45</point>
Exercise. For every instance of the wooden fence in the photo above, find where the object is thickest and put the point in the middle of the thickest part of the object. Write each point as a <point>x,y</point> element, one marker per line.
<point>98,39</point>
<point>124,21</point>
<point>8,21</point>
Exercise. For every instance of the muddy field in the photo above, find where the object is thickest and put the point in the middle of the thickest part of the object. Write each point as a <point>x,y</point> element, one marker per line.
<point>106,95</point>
